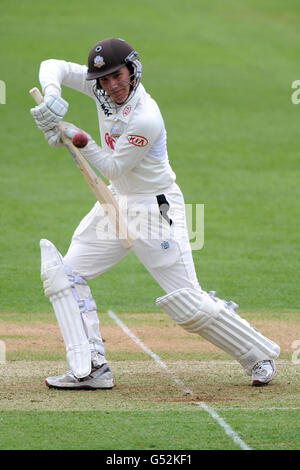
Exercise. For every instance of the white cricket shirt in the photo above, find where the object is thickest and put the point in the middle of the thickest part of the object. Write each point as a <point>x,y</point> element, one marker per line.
<point>133,156</point>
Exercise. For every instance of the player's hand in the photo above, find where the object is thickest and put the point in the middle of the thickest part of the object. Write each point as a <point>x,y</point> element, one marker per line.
<point>50,112</point>
<point>70,130</point>
<point>53,137</point>
<point>90,150</point>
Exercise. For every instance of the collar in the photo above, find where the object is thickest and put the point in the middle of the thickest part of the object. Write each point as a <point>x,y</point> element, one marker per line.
<point>124,112</point>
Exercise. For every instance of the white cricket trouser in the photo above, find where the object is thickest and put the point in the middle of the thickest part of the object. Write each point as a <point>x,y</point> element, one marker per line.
<point>163,248</point>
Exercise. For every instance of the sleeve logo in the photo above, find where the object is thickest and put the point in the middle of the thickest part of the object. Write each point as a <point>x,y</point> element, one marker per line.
<point>137,140</point>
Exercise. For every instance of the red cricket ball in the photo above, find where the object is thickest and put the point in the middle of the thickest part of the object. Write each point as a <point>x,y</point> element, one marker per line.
<point>80,139</point>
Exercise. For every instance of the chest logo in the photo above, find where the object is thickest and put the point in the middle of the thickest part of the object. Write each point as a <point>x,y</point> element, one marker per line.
<point>137,140</point>
<point>110,141</point>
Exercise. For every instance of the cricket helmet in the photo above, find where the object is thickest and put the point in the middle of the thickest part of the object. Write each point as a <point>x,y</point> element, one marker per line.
<point>108,56</point>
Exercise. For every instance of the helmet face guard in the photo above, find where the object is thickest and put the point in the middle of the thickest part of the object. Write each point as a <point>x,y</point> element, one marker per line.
<point>107,57</point>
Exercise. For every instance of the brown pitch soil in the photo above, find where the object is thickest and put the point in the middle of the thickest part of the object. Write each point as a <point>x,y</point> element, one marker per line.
<point>141,383</point>
<point>39,337</point>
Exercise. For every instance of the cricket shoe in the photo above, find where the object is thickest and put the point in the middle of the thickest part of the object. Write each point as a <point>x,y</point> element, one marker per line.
<point>263,372</point>
<point>99,378</point>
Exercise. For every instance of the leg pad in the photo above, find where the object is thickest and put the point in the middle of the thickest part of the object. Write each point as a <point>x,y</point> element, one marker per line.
<point>198,312</point>
<point>58,289</point>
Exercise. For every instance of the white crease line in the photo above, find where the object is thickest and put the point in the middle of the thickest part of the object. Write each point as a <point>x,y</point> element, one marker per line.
<point>228,430</point>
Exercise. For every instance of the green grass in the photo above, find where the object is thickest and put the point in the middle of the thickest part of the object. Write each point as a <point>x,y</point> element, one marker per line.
<point>193,429</point>
<point>111,430</point>
<point>172,430</point>
<point>222,74</point>
<point>275,426</point>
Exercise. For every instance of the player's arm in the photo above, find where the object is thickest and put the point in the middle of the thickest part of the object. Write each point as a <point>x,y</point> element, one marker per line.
<point>130,149</point>
<point>53,74</point>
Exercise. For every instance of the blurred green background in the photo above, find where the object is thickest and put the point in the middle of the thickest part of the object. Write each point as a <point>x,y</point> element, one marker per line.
<point>221,72</point>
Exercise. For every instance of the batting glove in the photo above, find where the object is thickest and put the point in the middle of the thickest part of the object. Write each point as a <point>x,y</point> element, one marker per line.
<point>70,130</point>
<point>49,112</point>
<point>53,137</point>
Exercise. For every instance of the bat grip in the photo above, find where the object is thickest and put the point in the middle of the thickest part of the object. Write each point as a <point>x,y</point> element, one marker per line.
<point>38,98</point>
<point>36,95</point>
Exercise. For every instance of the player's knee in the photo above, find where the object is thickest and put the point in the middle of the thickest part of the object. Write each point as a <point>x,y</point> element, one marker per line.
<point>58,277</point>
<point>53,273</point>
<point>192,309</point>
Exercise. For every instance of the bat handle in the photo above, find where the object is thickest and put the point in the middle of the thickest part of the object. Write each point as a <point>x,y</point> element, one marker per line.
<point>38,98</point>
<point>36,95</point>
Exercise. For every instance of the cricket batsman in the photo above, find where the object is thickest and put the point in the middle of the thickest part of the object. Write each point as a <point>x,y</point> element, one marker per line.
<point>133,157</point>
